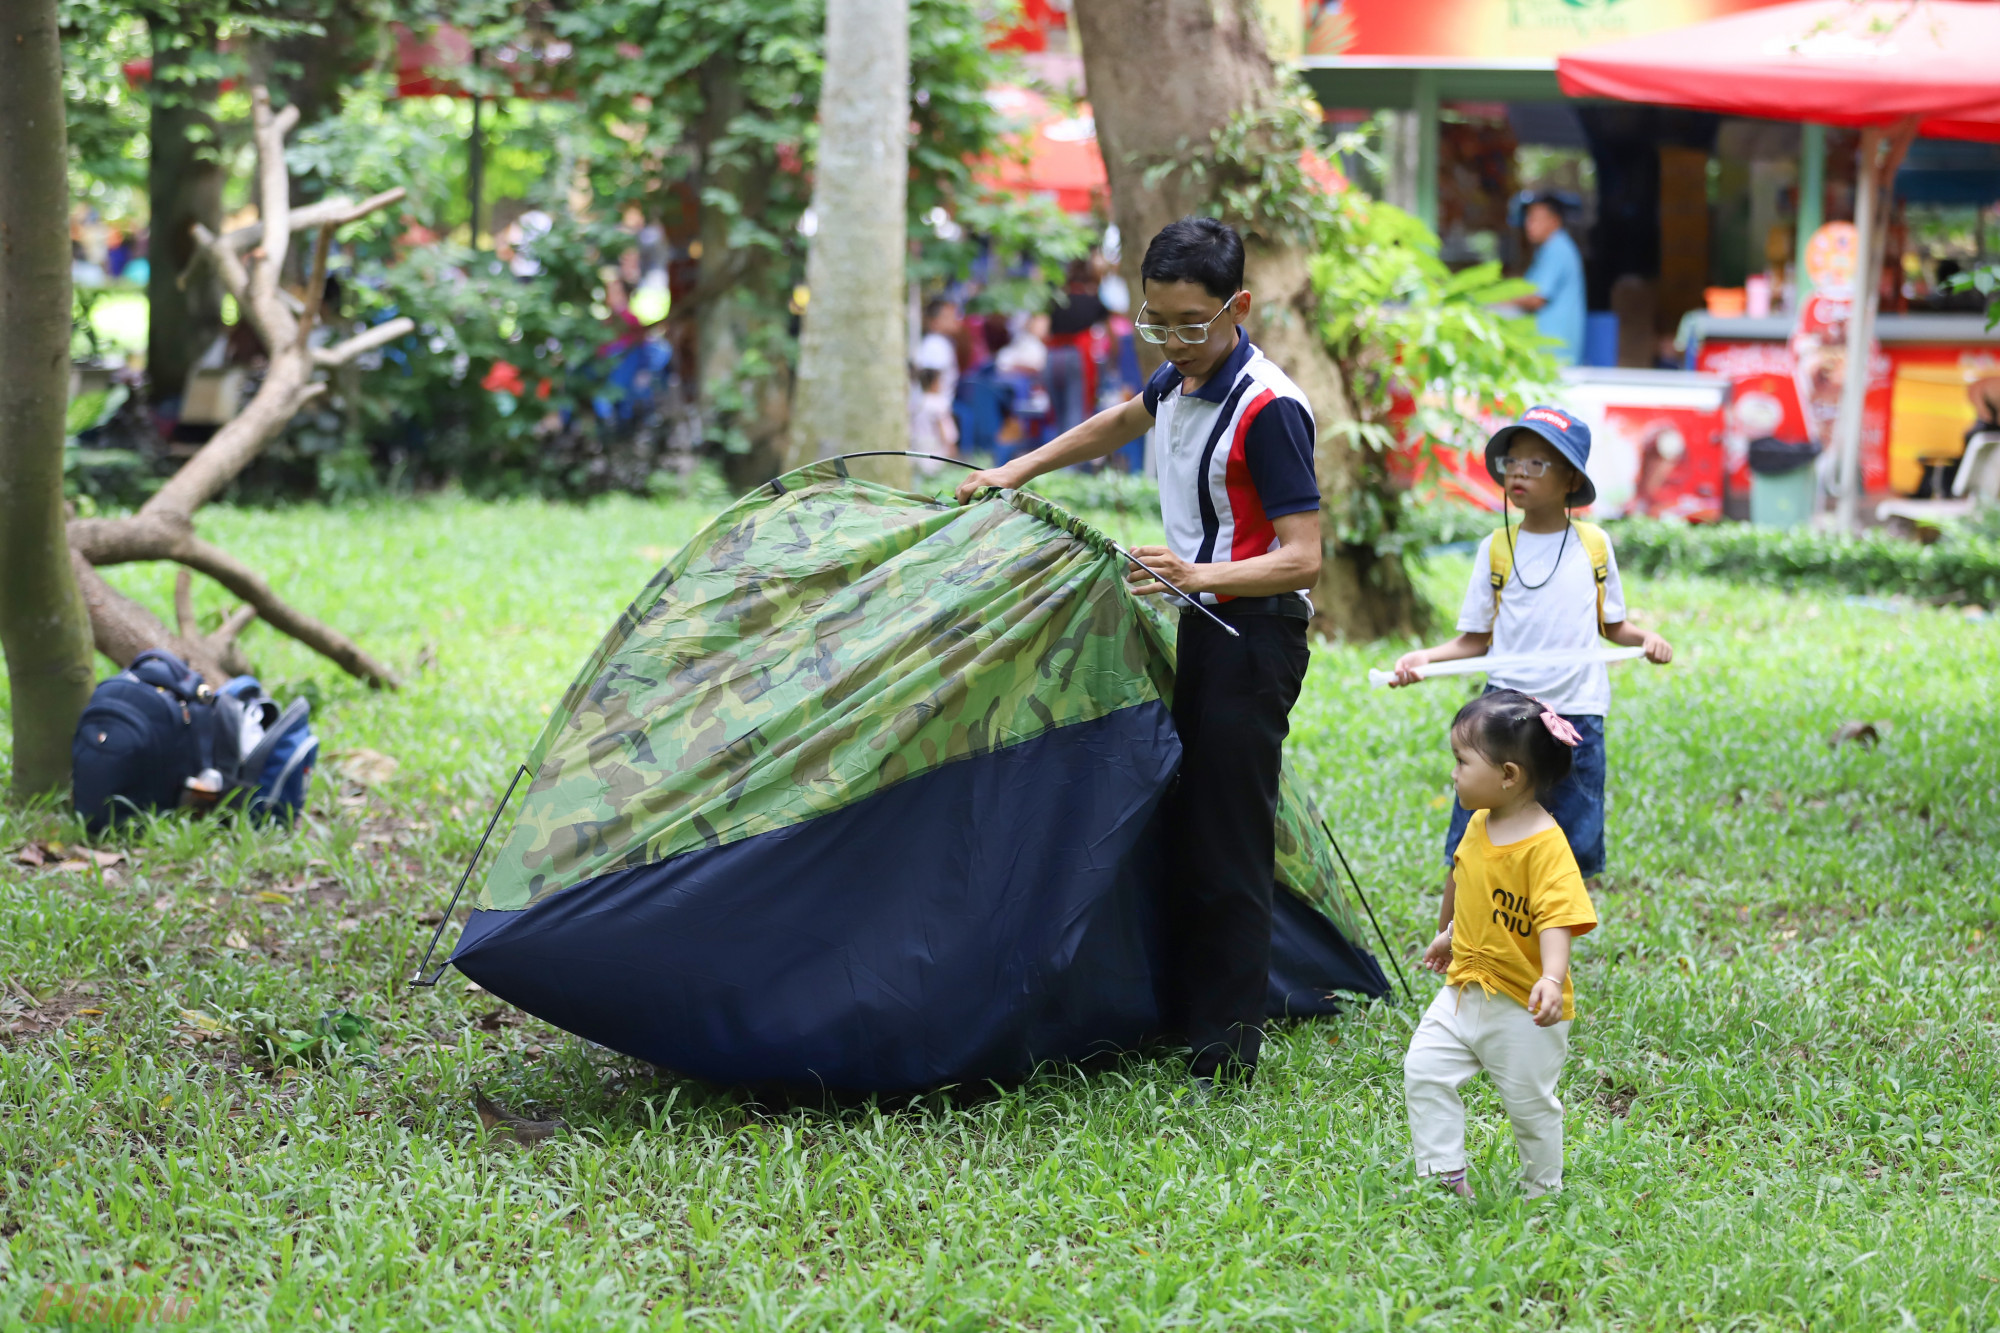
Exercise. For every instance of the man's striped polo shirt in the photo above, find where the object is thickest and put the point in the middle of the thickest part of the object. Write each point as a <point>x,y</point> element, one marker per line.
<point>1232,455</point>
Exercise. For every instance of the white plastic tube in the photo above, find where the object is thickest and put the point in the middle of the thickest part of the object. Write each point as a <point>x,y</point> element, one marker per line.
<point>1473,666</point>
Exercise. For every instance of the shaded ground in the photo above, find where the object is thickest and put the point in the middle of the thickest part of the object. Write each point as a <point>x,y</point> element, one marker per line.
<point>215,1084</point>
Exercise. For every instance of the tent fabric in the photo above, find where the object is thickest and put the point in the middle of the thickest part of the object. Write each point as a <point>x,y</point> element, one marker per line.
<point>1834,62</point>
<point>863,790</point>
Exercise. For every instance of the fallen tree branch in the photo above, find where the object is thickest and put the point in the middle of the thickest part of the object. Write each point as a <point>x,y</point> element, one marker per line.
<point>366,341</point>
<point>122,629</point>
<point>249,585</point>
<point>249,261</point>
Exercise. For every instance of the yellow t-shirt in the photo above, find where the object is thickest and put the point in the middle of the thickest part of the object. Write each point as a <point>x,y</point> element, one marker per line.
<point>1505,898</point>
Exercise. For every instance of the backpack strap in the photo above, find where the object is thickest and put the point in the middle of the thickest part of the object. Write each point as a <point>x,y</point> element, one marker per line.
<point>1598,547</point>
<point>1500,558</point>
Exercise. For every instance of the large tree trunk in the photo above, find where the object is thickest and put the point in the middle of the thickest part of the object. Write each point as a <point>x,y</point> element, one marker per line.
<point>43,628</point>
<point>854,377</point>
<point>1164,76</point>
<point>185,187</point>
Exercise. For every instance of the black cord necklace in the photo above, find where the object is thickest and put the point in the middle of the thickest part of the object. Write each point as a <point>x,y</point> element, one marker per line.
<point>1514,556</point>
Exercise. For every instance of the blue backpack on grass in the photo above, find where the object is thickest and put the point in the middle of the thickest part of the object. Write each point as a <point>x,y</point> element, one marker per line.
<point>156,737</point>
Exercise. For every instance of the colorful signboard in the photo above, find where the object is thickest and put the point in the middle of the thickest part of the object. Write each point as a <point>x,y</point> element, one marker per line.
<point>1494,30</point>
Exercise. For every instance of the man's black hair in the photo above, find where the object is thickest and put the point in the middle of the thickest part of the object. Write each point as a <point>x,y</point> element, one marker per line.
<point>1196,249</point>
<point>1506,726</point>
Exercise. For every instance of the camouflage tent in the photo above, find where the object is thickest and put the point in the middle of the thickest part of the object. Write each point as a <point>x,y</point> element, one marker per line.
<point>858,793</point>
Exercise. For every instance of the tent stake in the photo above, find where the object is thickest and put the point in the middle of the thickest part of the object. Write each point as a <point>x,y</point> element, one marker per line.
<point>438,934</point>
<point>1335,842</point>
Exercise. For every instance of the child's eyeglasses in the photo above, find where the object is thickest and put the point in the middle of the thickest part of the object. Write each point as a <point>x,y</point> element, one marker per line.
<point>1525,467</point>
<point>1191,334</point>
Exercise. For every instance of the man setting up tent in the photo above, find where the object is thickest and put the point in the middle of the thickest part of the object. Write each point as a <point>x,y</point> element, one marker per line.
<point>1241,510</point>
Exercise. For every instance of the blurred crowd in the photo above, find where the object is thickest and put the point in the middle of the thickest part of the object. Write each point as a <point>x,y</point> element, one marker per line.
<point>997,384</point>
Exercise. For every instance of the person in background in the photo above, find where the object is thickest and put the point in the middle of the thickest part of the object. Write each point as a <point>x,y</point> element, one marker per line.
<point>932,427</point>
<point>985,401</point>
<point>1074,316</point>
<point>938,350</point>
<point>1557,273</point>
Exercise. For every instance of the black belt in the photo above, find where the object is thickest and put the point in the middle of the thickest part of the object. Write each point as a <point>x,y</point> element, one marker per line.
<point>1287,604</point>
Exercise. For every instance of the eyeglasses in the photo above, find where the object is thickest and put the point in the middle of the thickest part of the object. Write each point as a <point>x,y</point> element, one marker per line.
<point>1191,334</point>
<point>1524,467</point>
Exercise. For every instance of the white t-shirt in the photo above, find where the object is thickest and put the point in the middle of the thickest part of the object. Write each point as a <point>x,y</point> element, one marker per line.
<point>1555,619</point>
<point>936,352</point>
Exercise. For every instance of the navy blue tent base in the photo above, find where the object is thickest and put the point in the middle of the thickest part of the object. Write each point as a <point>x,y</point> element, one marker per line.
<point>882,947</point>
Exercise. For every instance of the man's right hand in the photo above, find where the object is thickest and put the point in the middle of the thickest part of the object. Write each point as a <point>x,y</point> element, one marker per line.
<point>993,476</point>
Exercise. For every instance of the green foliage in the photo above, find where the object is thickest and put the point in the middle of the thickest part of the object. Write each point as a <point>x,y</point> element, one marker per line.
<point>1402,324</point>
<point>1255,173</point>
<point>496,363</point>
<point>1782,1058</point>
<point>277,1043</point>
<point>1107,489</point>
<point>1985,280</point>
<point>1962,566</point>
<point>106,120</point>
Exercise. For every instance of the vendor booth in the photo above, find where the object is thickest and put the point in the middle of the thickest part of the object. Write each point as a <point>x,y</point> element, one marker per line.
<point>1704,146</point>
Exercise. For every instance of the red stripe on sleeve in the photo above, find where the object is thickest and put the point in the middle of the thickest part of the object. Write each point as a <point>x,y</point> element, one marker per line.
<point>1253,535</point>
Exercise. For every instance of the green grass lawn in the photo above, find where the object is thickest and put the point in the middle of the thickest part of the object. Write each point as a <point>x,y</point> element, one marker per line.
<point>1784,1110</point>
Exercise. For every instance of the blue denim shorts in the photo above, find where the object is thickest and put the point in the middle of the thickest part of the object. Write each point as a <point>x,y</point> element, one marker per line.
<point>1576,803</point>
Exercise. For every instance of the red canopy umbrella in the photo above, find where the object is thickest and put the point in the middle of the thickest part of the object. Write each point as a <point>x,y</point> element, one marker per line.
<point>1893,68</point>
<point>1059,155</point>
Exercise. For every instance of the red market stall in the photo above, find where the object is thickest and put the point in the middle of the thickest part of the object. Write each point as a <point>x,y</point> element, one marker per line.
<point>1892,69</point>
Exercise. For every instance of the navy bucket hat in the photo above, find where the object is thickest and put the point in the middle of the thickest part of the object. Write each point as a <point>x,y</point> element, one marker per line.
<point>1569,436</point>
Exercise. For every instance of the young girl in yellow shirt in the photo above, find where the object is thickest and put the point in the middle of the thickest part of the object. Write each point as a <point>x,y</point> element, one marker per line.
<point>1513,903</point>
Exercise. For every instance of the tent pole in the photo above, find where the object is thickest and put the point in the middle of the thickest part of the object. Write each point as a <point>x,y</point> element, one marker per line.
<point>520,772</point>
<point>1425,122</point>
<point>1812,204</point>
<point>1854,381</point>
<point>1327,829</point>
<point>1882,153</point>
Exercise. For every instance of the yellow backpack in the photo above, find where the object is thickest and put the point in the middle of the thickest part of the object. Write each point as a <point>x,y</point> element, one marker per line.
<point>1595,544</point>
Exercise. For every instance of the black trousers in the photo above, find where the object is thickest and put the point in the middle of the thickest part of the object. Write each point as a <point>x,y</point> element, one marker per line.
<point>1232,703</point>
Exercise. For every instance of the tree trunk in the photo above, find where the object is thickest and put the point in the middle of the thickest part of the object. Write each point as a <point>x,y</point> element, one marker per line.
<point>854,379</point>
<point>1164,76</point>
<point>748,412</point>
<point>43,626</point>
<point>184,183</point>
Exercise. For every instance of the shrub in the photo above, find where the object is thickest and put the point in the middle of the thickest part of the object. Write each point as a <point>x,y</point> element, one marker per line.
<point>1962,566</point>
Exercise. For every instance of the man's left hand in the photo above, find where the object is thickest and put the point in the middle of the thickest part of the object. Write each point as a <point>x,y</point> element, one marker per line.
<point>1167,565</point>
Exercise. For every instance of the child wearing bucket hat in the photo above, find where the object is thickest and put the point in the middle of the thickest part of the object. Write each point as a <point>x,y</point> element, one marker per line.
<point>1546,587</point>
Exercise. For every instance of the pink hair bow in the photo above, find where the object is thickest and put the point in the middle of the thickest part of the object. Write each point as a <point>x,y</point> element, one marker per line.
<point>1559,727</point>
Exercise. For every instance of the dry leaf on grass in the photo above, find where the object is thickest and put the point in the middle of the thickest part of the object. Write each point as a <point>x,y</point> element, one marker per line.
<point>1865,734</point>
<point>65,856</point>
<point>234,940</point>
<point>367,768</point>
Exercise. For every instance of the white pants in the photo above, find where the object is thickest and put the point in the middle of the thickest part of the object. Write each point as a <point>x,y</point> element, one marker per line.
<point>1464,1031</point>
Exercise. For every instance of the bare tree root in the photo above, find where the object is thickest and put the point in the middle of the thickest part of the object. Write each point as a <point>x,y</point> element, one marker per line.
<point>249,260</point>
